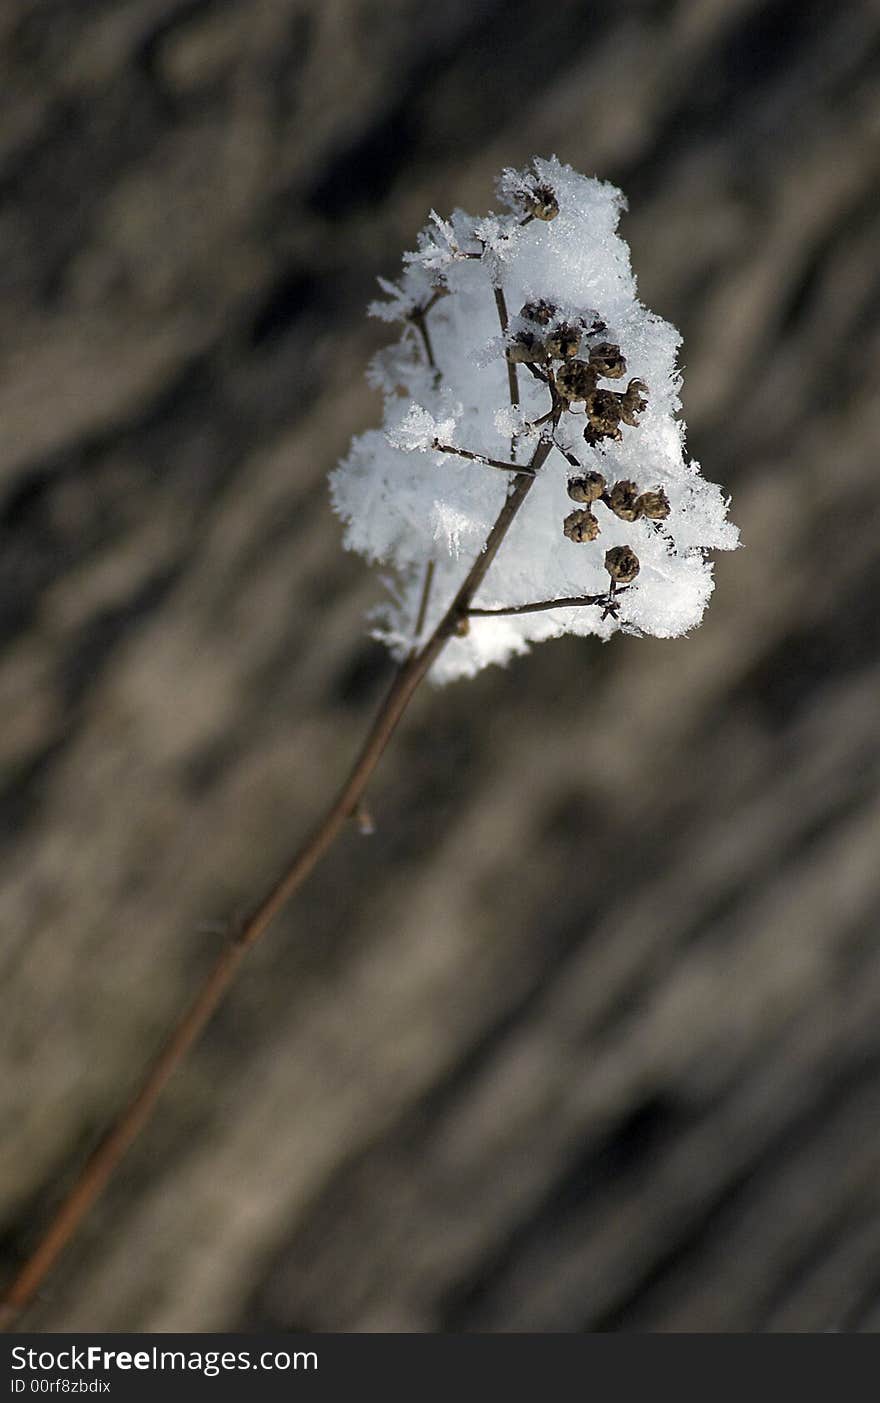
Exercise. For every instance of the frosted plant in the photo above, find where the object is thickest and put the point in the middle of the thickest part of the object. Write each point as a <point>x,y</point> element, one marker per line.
<point>529,481</point>
<point>527,368</point>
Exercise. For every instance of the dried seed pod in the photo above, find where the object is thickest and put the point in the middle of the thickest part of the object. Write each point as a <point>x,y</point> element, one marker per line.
<point>622,564</point>
<point>525,348</point>
<point>633,402</point>
<point>541,312</point>
<point>588,488</point>
<point>654,505</point>
<point>563,341</point>
<point>575,379</point>
<point>603,412</point>
<point>594,436</point>
<point>580,526</point>
<point>608,360</point>
<point>623,499</point>
<point>540,201</point>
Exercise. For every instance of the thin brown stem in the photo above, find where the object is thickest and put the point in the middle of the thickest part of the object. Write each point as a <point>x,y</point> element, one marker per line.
<point>419,319</point>
<point>512,381</point>
<point>569,457</point>
<point>423,603</point>
<point>99,1169</point>
<point>420,322</point>
<point>436,295</point>
<point>481,458</point>
<point>540,606</point>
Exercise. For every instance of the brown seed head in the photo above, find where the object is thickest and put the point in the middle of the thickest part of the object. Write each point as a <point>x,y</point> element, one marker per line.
<point>654,505</point>
<point>575,379</point>
<point>588,488</point>
<point>525,348</point>
<point>563,341</point>
<point>541,202</point>
<point>603,412</point>
<point>595,436</point>
<point>622,564</point>
<point>580,526</point>
<point>541,312</point>
<point>608,360</point>
<point>623,499</point>
<point>633,402</point>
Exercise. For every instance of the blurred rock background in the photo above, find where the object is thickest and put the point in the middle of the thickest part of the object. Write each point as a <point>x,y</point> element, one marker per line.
<point>586,1036</point>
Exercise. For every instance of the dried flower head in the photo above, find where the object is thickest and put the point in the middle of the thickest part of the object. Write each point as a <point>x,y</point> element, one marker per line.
<point>633,402</point>
<point>603,412</point>
<point>580,526</point>
<point>622,564</point>
<point>525,348</point>
<point>541,202</point>
<point>563,341</point>
<point>608,360</point>
<point>623,499</point>
<point>429,486</point>
<point>586,488</point>
<point>541,312</point>
<point>653,505</point>
<point>575,380</point>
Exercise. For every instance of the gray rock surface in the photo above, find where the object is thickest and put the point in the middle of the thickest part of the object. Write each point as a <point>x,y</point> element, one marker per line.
<point>586,1036</point>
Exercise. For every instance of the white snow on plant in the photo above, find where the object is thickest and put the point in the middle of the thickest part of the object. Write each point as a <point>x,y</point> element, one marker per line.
<point>418,430</point>
<point>406,503</point>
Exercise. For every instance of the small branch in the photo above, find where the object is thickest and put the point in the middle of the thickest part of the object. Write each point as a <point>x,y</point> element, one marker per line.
<point>99,1169</point>
<point>420,323</point>
<point>480,458</point>
<point>423,604</point>
<point>512,381</point>
<point>541,605</point>
<point>101,1166</point>
<point>569,457</point>
<point>511,369</point>
<point>418,317</point>
<point>438,293</point>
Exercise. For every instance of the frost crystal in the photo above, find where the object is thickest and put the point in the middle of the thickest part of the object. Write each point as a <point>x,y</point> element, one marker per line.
<point>522,330</point>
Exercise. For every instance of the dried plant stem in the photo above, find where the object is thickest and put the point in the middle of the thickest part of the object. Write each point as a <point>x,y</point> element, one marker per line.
<point>439,447</point>
<point>423,604</point>
<point>568,603</point>
<point>420,322</point>
<point>100,1168</point>
<point>512,382</point>
<point>419,319</point>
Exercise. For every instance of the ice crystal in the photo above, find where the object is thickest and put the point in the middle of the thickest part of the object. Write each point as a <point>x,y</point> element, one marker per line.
<point>594,370</point>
